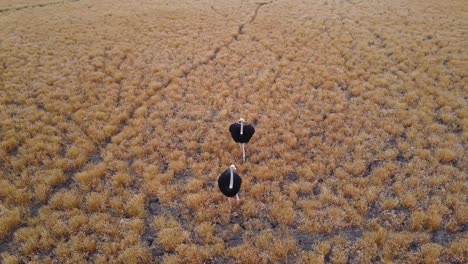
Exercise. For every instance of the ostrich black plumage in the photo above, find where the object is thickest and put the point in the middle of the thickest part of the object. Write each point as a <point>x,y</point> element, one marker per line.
<point>229,183</point>
<point>242,133</point>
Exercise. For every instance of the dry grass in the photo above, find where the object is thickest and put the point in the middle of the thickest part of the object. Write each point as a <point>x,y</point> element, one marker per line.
<point>114,117</point>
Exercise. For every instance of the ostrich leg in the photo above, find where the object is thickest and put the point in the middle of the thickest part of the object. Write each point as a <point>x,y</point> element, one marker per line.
<point>243,152</point>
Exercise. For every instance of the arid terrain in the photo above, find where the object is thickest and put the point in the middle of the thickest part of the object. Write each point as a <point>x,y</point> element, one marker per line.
<point>114,121</point>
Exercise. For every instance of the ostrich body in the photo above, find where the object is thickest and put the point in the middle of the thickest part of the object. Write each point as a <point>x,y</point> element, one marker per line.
<point>242,133</point>
<point>229,183</point>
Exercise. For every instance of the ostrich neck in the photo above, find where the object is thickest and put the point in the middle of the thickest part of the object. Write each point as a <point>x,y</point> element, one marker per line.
<point>231,182</point>
<point>242,128</point>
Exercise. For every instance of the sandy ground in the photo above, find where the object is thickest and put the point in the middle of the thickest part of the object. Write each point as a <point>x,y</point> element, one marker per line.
<point>114,121</point>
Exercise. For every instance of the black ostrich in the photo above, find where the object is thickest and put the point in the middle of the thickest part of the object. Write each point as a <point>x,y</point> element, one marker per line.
<point>229,183</point>
<point>241,133</point>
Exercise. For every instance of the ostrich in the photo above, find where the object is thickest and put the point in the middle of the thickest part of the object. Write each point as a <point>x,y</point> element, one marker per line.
<point>241,133</point>
<point>229,183</point>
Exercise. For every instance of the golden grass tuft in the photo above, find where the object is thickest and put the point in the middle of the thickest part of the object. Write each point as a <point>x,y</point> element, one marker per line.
<point>418,220</point>
<point>164,221</point>
<point>278,249</point>
<point>77,222</point>
<point>446,155</point>
<point>171,238</point>
<point>96,201</point>
<point>135,206</point>
<point>282,212</point>
<point>246,253</point>
<point>197,201</point>
<point>9,259</point>
<point>33,239</point>
<point>65,200</point>
<point>90,177</point>
<point>135,254</point>
<point>9,219</point>
<point>206,232</point>
<point>458,249</point>
<point>431,252</point>
<point>122,180</point>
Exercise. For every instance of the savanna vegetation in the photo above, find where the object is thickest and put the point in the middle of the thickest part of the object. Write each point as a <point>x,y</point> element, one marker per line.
<point>114,121</point>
